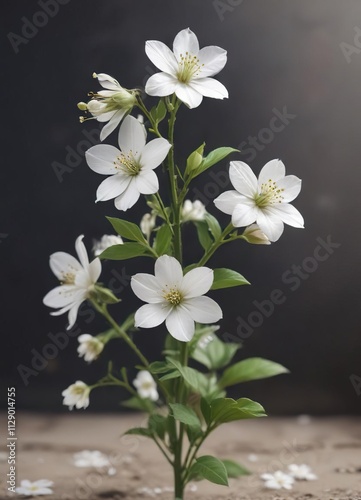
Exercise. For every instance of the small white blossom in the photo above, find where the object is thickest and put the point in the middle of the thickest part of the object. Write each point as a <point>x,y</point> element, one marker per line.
<point>253,234</point>
<point>131,168</point>
<point>147,224</point>
<point>301,472</point>
<point>110,105</point>
<point>35,488</point>
<point>278,480</point>
<point>252,457</point>
<point>90,347</point>
<point>77,278</point>
<point>193,211</point>
<point>265,201</point>
<point>106,241</point>
<point>176,299</point>
<point>187,70</point>
<point>76,395</point>
<point>87,458</point>
<point>146,386</point>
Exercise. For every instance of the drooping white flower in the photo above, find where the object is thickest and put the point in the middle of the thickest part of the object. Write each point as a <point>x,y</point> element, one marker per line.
<point>77,278</point>
<point>110,105</point>
<point>278,480</point>
<point>35,488</point>
<point>106,241</point>
<point>187,70</point>
<point>147,224</point>
<point>87,458</point>
<point>253,234</point>
<point>131,167</point>
<point>301,472</point>
<point>265,201</point>
<point>90,347</point>
<point>193,211</point>
<point>176,299</point>
<point>76,395</point>
<point>146,386</point>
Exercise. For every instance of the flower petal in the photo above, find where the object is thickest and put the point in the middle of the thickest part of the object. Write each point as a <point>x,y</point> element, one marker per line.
<point>151,315</point>
<point>107,81</point>
<point>146,288</point>
<point>94,270</point>
<point>209,87</point>
<point>244,215</point>
<point>287,213</point>
<point>60,296</point>
<point>161,56</point>
<point>161,84</point>
<point>272,226</point>
<point>62,263</point>
<point>168,271</point>
<point>292,187</point>
<point>72,315</point>
<point>154,153</point>
<point>113,186</point>
<point>213,58</point>
<point>273,170</point>
<point>131,136</point>
<point>203,310</point>
<point>147,182</point>
<point>81,251</point>
<point>226,202</point>
<point>180,325</point>
<point>185,41</point>
<point>243,178</point>
<point>188,95</point>
<point>128,198</point>
<point>112,124</point>
<point>197,282</point>
<point>101,159</point>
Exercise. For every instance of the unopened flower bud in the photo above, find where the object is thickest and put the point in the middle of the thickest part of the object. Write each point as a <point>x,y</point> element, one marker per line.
<point>253,234</point>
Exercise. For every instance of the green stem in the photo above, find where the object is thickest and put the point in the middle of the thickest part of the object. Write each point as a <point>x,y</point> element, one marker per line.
<point>154,125</point>
<point>164,211</point>
<point>217,243</point>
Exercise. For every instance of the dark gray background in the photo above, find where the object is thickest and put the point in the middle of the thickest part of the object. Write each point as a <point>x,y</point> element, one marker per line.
<point>281,54</point>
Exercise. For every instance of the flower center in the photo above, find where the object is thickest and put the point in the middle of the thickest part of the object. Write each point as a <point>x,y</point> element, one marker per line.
<point>128,164</point>
<point>269,194</point>
<point>68,278</point>
<point>188,67</point>
<point>173,296</point>
<point>147,385</point>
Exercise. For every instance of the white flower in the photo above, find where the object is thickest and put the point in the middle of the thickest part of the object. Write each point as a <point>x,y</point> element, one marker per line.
<point>76,395</point>
<point>77,278</point>
<point>35,488</point>
<point>110,105</point>
<point>278,480</point>
<point>90,347</point>
<point>301,472</point>
<point>147,224</point>
<point>146,386</point>
<point>176,299</point>
<point>131,167</point>
<point>88,458</point>
<point>193,211</point>
<point>106,241</point>
<point>186,70</point>
<point>253,234</point>
<point>265,201</point>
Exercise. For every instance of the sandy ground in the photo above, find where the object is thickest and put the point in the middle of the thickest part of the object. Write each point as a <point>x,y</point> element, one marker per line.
<point>46,444</point>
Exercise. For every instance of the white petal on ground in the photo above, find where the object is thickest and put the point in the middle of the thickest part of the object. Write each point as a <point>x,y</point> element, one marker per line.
<point>188,95</point>
<point>129,198</point>
<point>180,324</point>
<point>146,287</point>
<point>147,182</point>
<point>131,136</point>
<point>161,56</point>
<point>161,84</point>
<point>209,87</point>
<point>203,309</point>
<point>274,170</point>
<point>154,153</point>
<point>243,178</point>
<point>197,282</point>
<point>244,215</point>
<point>101,159</point>
<point>112,187</point>
<point>168,271</point>
<point>214,59</point>
<point>227,202</point>
<point>185,41</point>
<point>151,315</point>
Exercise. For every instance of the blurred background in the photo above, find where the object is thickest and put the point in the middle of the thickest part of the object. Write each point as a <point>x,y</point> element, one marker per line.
<point>293,76</point>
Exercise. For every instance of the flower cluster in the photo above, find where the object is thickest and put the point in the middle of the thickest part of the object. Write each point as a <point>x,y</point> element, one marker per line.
<point>285,480</point>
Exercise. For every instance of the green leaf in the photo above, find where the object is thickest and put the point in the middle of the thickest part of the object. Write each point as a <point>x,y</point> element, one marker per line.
<point>212,158</point>
<point>227,278</point>
<point>204,236</point>
<point>206,410</point>
<point>163,240</point>
<point>210,468</point>
<point>213,225</point>
<point>127,229</point>
<point>215,354</point>
<point>250,369</point>
<point>227,410</point>
<point>170,375</point>
<point>105,295</point>
<point>185,415</point>
<point>159,367</point>
<point>234,469</point>
<point>136,403</point>
<point>158,424</point>
<point>159,112</point>
<point>193,378</point>
<point>140,431</point>
<point>124,251</point>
